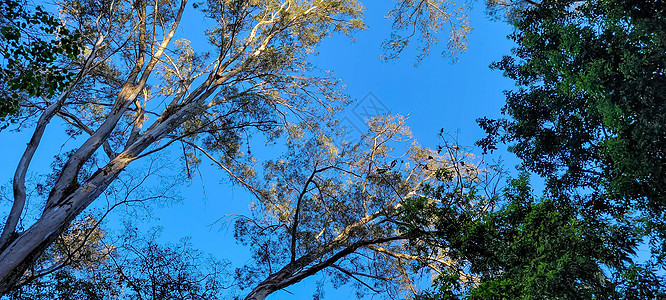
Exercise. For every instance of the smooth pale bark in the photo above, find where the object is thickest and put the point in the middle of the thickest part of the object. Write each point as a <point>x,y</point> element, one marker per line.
<point>126,96</point>
<point>67,200</point>
<point>18,182</point>
<point>298,270</point>
<point>67,204</point>
<point>21,253</point>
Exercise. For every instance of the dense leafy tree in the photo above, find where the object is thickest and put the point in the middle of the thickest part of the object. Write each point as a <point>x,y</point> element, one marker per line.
<point>589,111</point>
<point>587,114</point>
<point>534,249</point>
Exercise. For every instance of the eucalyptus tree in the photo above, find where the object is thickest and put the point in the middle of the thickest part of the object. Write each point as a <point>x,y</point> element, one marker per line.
<point>256,75</point>
<point>335,208</point>
<point>139,89</point>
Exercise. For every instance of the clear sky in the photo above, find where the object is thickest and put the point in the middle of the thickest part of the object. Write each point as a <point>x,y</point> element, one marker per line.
<point>435,95</point>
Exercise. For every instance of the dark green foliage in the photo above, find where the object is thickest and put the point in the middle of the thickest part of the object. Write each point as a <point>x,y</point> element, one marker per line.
<point>588,114</point>
<point>589,111</point>
<point>30,44</point>
<point>534,249</point>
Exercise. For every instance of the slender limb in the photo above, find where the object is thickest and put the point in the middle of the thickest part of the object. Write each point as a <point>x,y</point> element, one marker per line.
<point>72,119</point>
<point>18,183</point>
<point>254,190</point>
<point>296,213</point>
<point>128,93</point>
<point>352,275</point>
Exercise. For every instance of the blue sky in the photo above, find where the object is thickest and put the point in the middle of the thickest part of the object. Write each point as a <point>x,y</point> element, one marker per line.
<point>436,94</point>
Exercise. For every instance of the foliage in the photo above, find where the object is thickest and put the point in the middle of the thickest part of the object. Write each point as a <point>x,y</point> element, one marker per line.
<point>538,249</point>
<point>137,268</point>
<point>589,113</point>
<point>30,44</point>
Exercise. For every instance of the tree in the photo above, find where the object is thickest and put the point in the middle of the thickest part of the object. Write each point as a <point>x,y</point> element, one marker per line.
<point>325,206</point>
<point>586,115</point>
<point>251,80</point>
<point>335,208</point>
<point>29,65</point>
<point>536,248</point>
<point>588,111</point>
<point>139,90</point>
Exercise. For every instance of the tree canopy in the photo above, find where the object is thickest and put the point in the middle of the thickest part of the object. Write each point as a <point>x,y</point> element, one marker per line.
<point>130,88</point>
<point>134,89</point>
<point>588,111</point>
<point>587,115</point>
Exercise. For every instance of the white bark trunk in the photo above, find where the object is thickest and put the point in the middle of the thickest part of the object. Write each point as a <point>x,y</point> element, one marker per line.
<point>21,253</point>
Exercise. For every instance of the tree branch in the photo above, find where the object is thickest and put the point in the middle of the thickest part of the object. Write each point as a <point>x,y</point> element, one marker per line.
<point>18,183</point>
<point>350,274</point>
<point>72,119</point>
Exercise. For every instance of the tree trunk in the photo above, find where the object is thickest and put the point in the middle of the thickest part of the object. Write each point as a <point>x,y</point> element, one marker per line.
<point>261,292</point>
<point>281,279</point>
<point>29,245</point>
<point>22,252</point>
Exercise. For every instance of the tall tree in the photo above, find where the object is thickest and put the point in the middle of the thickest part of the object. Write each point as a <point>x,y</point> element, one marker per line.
<point>588,112</point>
<point>138,90</point>
<point>336,208</point>
<point>258,74</point>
